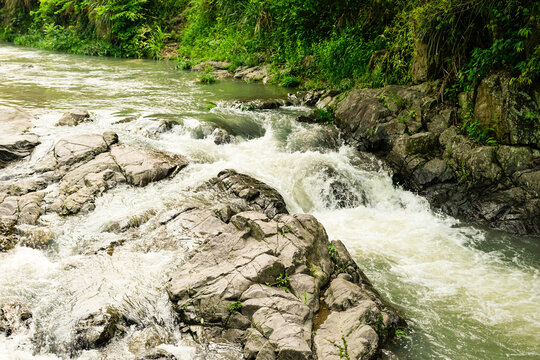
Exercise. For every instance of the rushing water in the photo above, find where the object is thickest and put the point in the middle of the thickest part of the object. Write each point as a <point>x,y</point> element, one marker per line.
<point>468,293</point>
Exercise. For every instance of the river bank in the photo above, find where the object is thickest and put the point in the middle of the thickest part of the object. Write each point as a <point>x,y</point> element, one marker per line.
<point>444,153</point>
<point>454,283</point>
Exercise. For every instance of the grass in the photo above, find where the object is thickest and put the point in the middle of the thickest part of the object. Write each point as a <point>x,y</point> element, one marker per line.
<point>207,78</point>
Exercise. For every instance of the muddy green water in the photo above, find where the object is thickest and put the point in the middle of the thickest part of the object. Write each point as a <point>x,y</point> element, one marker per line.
<point>467,292</point>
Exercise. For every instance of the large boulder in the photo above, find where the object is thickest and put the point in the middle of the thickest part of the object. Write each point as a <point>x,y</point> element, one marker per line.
<point>15,141</point>
<point>246,193</point>
<point>514,114</point>
<point>104,165</point>
<point>263,277</point>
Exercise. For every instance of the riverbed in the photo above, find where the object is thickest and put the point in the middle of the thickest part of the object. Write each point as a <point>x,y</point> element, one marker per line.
<point>466,292</point>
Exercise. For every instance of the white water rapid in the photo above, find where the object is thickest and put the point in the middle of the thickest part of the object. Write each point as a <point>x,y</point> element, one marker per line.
<point>467,293</point>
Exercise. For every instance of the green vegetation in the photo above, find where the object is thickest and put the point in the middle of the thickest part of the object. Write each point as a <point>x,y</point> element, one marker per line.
<point>477,132</point>
<point>315,42</point>
<point>332,250</point>
<point>343,349</point>
<point>206,77</point>
<point>234,307</point>
<point>401,333</point>
<point>282,282</point>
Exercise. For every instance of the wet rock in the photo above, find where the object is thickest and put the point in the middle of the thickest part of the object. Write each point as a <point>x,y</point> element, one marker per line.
<point>80,148</point>
<point>13,317</point>
<point>264,104</point>
<point>141,167</point>
<point>340,194</point>
<point>221,137</point>
<point>145,341</point>
<point>251,193</point>
<point>454,172</point>
<point>18,210</point>
<point>74,117</point>
<point>96,329</point>
<point>15,141</point>
<point>158,354</point>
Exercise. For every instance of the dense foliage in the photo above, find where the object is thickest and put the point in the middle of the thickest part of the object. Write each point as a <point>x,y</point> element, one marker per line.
<point>321,42</point>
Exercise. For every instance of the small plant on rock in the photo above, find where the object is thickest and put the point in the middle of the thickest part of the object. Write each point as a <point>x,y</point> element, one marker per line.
<point>282,282</point>
<point>234,307</point>
<point>332,251</point>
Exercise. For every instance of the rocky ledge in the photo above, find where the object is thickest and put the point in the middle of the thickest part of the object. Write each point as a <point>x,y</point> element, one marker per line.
<point>15,141</point>
<point>433,153</point>
<point>78,170</point>
<point>282,290</point>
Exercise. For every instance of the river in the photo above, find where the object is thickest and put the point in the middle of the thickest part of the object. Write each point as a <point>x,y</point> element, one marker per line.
<point>467,292</point>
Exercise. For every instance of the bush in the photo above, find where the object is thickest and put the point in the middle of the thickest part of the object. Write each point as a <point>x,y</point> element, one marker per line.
<point>328,43</point>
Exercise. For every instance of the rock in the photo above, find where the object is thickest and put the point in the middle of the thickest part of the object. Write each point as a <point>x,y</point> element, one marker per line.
<point>263,276</point>
<point>343,294</point>
<point>339,194</point>
<point>255,341</point>
<point>13,317</point>
<point>15,142</point>
<point>421,143</point>
<point>145,341</point>
<point>454,172</point>
<point>96,329</point>
<point>256,73</point>
<point>530,180</point>
<point>74,117</point>
<point>80,148</point>
<point>512,159</point>
<point>434,171</point>
<point>89,165</point>
<point>441,121</point>
<point>514,114</point>
<point>218,65</point>
<point>250,193</point>
<point>305,288</point>
<point>421,64</point>
<point>264,104</point>
<point>158,354</point>
<point>482,165</point>
<point>341,336</point>
<point>221,137</point>
<point>141,167</point>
